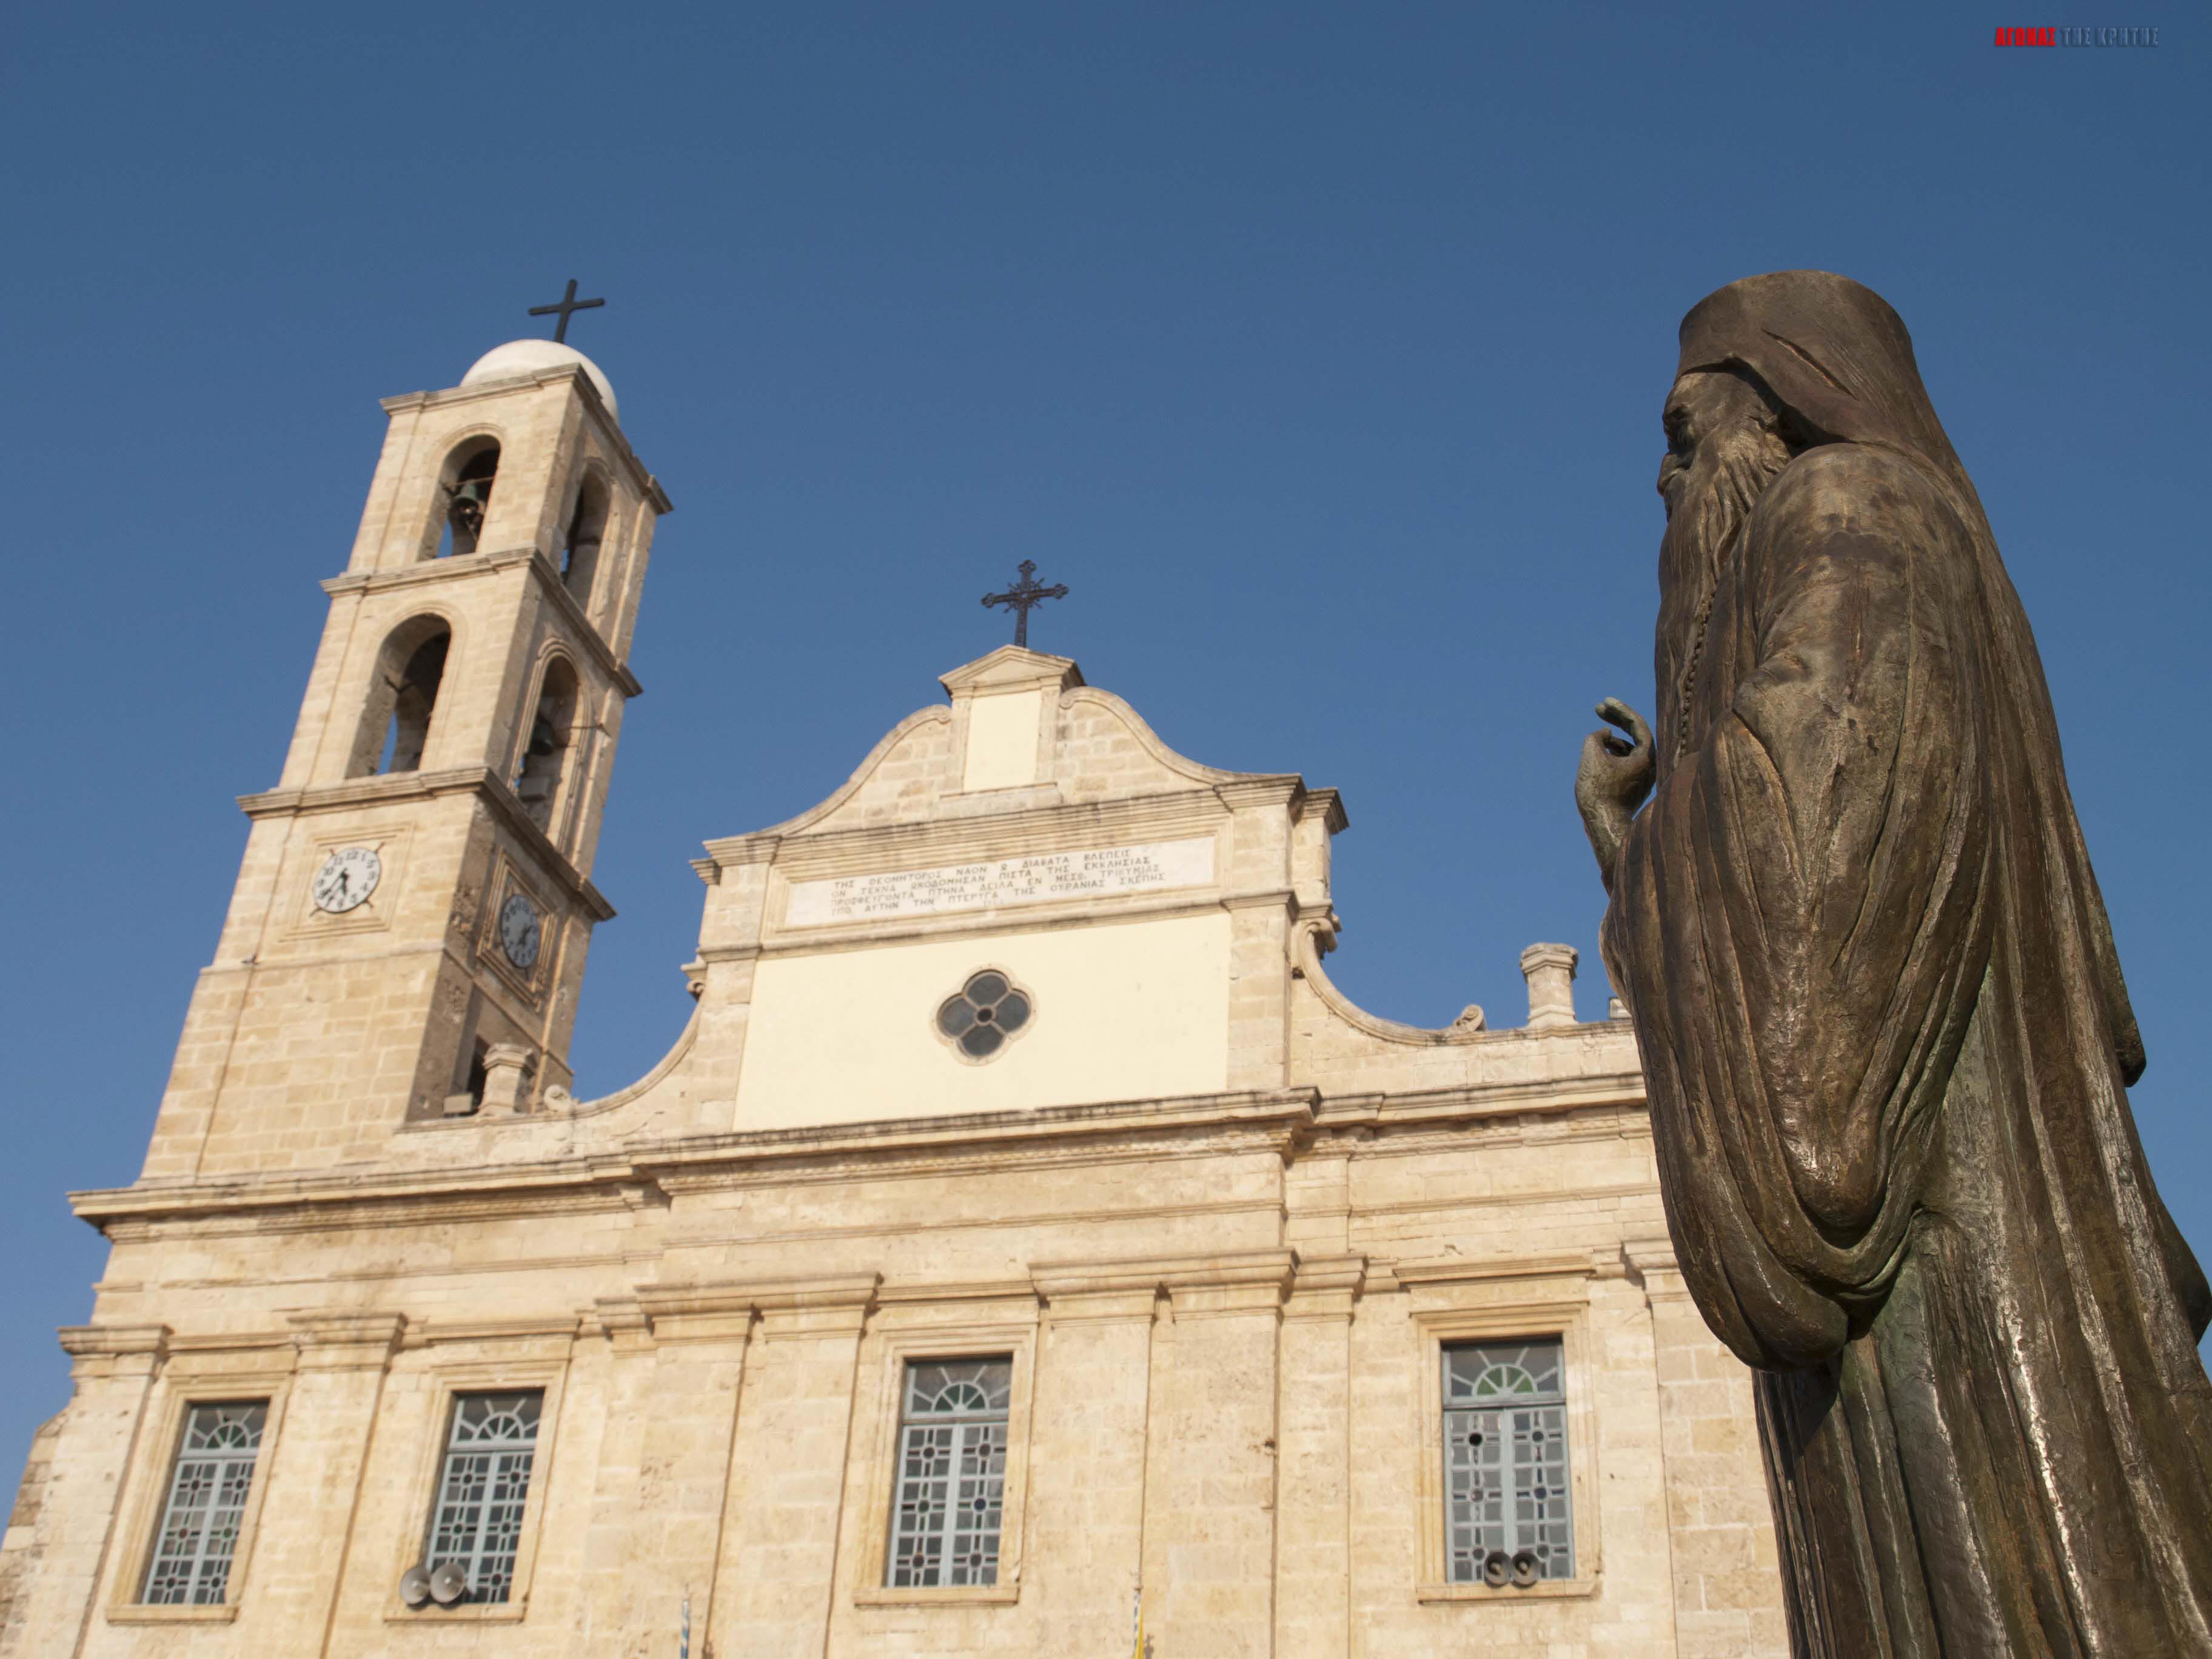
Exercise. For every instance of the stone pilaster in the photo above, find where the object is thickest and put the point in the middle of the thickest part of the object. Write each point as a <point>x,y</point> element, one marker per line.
<point>1087,1452</point>
<point>1210,1491</point>
<point>1313,1515</point>
<point>19,1559</point>
<point>686,1390</point>
<point>1259,978</point>
<point>112,1370</point>
<point>304,1548</point>
<point>1728,1587</point>
<point>780,1569</point>
<point>625,1373</point>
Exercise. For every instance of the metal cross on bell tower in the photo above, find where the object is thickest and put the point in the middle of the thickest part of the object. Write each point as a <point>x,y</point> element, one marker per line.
<point>568,305</point>
<point>1022,596</point>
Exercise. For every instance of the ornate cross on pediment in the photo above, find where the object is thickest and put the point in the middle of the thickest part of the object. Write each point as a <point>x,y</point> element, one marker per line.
<point>1022,596</point>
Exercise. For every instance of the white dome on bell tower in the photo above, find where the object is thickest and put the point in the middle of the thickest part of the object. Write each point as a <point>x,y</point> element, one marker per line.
<point>520,358</point>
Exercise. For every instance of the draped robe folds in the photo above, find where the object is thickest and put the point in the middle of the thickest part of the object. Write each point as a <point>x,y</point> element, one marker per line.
<point>1886,1046</point>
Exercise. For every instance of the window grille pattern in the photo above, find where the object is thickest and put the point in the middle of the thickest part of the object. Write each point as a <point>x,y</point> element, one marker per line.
<point>987,1012</point>
<point>1506,1462</point>
<point>951,1472</point>
<point>208,1491</point>
<point>477,1522</point>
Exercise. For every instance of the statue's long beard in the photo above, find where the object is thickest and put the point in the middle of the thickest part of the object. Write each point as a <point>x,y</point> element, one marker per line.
<point>1699,534</point>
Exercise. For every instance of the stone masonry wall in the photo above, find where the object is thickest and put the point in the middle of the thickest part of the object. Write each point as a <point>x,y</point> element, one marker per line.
<point>1221,1334</point>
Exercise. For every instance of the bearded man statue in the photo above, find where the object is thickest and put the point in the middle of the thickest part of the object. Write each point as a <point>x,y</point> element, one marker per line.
<point>1883,1029</point>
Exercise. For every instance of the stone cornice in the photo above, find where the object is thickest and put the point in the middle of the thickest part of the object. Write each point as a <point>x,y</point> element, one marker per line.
<point>431,572</point>
<point>557,1328</point>
<point>1548,1096</point>
<point>346,1341</point>
<point>835,1305</point>
<point>1455,1270</point>
<point>1328,1274</point>
<point>1328,803</point>
<point>1651,1262</point>
<point>647,485</point>
<point>277,1349</point>
<point>107,1341</point>
<point>1012,668</point>
<point>1273,1119</point>
<point>1165,1274</point>
<point>1261,789</point>
<point>1282,1122</point>
<point>480,781</point>
<point>389,1196</point>
<point>931,1292</point>
<point>549,582</point>
<point>1067,915</point>
<point>875,848</point>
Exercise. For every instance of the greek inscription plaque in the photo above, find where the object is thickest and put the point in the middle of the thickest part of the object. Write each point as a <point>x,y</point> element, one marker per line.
<point>1034,878</point>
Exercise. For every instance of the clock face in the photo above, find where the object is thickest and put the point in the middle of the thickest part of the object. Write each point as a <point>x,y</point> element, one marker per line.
<point>518,930</point>
<point>348,877</point>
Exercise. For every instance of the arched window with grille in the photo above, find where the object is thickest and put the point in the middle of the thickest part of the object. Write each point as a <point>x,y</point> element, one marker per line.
<point>951,1487</point>
<point>1509,1513</point>
<point>483,1489</point>
<point>205,1509</point>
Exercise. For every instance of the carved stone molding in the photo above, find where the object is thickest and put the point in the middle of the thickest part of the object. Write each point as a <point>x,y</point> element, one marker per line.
<point>785,1308</point>
<point>1325,1287</point>
<point>1650,1263</point>
<point>114,1350</point>
<point>1235,1281</point>
<point>344,1341</point>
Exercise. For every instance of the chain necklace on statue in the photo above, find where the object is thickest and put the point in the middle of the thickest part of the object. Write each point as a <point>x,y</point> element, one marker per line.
<point>1689,681</point>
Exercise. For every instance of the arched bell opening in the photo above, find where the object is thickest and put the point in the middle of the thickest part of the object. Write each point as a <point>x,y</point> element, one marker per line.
<point>465,494</point>
<point>587,532</point>
<point>402,698</point>
<point>545,749</point>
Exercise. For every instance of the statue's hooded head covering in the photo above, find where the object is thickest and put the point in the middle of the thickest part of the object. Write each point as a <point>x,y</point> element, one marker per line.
<point>1840,361</point>
<point>1833,353</point>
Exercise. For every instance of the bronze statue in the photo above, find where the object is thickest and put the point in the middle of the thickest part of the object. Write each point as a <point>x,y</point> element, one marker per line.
<point>1883,1027</point>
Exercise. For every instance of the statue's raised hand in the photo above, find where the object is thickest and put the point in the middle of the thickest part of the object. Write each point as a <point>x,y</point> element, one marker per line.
<point>1613,780</point>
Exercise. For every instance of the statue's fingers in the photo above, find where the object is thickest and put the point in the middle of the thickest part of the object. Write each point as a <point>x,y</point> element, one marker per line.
<point>1620,715</point>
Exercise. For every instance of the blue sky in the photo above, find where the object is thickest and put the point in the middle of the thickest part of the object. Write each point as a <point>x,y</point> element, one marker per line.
<point>1318,348</point>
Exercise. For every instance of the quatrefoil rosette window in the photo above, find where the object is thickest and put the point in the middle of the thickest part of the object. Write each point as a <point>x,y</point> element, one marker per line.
<point>986,1014</point>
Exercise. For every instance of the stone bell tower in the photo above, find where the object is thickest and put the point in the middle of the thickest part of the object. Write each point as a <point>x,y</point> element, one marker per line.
<point>410,926</point>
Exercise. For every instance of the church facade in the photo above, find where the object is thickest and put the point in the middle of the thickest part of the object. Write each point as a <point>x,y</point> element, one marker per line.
<point>1024,1249</point>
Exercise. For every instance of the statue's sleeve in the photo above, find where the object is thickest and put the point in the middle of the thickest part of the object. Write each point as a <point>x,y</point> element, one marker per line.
<point>1798,921</point>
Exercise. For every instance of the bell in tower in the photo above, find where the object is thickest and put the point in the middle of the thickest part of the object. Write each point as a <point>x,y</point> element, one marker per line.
<point>468,497</point>
<point>537,780</point>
